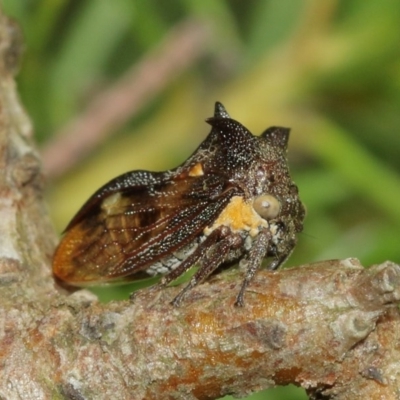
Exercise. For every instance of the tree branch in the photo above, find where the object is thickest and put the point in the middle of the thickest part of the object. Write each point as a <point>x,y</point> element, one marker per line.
<point>331,327</point>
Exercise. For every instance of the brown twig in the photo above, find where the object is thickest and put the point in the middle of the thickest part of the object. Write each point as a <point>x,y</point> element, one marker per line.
<point>112,108</point>
<point>330,327</point>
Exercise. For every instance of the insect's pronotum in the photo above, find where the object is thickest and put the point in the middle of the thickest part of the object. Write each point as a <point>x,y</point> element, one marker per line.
<point>232,200</point>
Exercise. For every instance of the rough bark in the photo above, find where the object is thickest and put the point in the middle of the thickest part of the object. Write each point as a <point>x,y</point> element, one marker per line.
<point>331,327</point>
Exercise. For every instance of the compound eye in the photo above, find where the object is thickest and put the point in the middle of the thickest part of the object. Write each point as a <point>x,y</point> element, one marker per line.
<point>267,206</point>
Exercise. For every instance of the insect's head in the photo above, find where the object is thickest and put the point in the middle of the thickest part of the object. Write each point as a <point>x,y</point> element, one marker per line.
<point>274,180</point>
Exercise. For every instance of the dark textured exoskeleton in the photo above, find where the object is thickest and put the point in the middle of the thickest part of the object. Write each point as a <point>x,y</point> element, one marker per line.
<point>232,200</point>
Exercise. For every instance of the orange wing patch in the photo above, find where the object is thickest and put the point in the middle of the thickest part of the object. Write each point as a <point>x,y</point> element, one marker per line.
<point>239,216</point>
<point>63,266</point>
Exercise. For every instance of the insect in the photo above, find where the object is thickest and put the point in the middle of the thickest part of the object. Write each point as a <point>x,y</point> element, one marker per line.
<point>233,200</point>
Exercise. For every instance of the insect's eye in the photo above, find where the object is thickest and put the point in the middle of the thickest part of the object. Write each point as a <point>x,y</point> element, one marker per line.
<point>267,206</point>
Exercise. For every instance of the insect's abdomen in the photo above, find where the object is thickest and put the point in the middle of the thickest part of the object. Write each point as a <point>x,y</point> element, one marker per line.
<point>170,262</point>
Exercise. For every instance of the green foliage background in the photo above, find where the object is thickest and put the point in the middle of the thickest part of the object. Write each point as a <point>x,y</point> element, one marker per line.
<point>329,69</point>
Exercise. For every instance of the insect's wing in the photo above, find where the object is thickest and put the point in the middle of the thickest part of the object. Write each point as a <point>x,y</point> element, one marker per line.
<point>135,220</point>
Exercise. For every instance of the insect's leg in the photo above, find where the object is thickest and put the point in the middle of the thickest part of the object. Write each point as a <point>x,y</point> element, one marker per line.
<point>198,254</point>
<point>256,254</point>
<point>283,256</point>
<point>211,263</point>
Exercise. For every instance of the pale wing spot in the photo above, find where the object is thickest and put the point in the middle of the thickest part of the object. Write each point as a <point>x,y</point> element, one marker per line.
<point>111,203</point>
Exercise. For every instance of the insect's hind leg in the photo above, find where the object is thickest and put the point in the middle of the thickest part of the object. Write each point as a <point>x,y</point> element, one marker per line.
<point>212,261</point>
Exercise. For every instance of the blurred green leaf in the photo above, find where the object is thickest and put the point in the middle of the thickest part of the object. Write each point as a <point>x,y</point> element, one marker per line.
<point>148,27</point>
<point>358,167</point>
<point>266,28</point>
<point>95,30</point>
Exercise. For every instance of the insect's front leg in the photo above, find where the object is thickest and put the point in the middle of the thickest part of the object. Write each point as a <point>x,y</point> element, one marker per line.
<point>254,259</point>
<point>212,259</point>
<point>282,256</point>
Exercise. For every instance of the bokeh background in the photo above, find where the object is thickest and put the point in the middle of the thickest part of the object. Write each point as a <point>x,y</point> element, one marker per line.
<point>118,85</point>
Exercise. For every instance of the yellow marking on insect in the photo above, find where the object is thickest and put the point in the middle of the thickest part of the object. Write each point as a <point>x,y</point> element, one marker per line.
<point>239,216</point>
<point>196,170</point>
